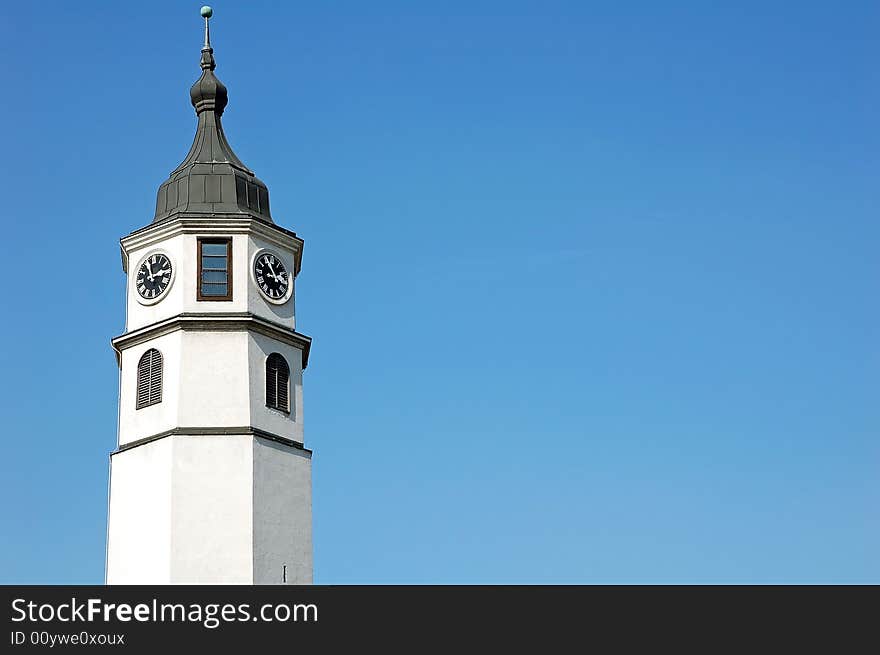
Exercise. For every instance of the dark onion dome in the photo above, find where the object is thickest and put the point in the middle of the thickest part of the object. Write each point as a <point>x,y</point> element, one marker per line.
<point>211,179</point>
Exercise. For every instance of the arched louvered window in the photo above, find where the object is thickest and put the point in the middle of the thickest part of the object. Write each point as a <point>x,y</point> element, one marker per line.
<point>149,382</point>
<point>277,383</point>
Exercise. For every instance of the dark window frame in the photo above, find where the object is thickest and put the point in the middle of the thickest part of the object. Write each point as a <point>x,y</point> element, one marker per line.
<point>275,377</point>
<point>215,241</point>
<point>148,387</point>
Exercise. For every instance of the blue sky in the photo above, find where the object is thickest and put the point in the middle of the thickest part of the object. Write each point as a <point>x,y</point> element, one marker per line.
<point>593,286</point>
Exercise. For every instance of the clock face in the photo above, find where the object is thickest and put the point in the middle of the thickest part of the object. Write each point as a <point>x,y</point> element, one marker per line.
<point>272,278</point>
<point>154,276</point>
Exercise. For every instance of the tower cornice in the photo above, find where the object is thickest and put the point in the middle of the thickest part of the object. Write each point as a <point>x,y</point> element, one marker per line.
<point>209,225</point>
<point>202,431</point>
<point>214,321</point>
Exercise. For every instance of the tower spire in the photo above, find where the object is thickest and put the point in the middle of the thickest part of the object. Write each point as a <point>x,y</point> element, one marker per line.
<point>211,179</point>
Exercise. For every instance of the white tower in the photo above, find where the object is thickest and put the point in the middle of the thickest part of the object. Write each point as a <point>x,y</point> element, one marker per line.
<point>210,482</point>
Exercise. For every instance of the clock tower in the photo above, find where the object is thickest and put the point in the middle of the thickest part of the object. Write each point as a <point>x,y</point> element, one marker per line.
<point>210,482</point>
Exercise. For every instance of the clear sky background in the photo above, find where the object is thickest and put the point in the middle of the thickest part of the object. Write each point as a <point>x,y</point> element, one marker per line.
<point>593,286</point>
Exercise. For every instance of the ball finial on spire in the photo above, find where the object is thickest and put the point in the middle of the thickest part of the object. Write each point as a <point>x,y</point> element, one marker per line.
<point>207,12</point>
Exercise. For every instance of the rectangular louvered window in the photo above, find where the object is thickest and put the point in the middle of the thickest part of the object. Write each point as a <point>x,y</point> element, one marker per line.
<point>149,379</point>
<point>215,269</point>
<point>277,383</point>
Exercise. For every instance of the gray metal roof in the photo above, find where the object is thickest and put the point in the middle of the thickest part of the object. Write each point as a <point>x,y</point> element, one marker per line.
<point>211,179</point>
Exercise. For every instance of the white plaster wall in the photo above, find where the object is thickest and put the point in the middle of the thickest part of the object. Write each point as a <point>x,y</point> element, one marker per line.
<point>182,295</point>
<point>139,529</point>
<point>211,512</point>
<point>272,420</point>
<point>210,379</point>
<point>134,423</point>
<point>257,303</point>
<point>214,387</point>
<point>183,262</point>
<point>282,513</point>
